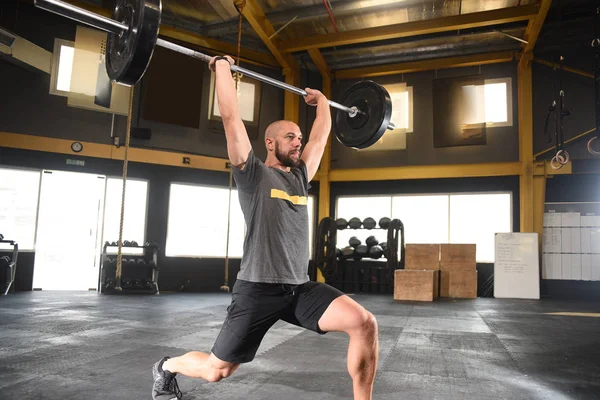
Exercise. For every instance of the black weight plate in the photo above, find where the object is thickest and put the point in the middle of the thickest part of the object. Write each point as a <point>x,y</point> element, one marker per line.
<point>128,54</point>
<point>366,128</point>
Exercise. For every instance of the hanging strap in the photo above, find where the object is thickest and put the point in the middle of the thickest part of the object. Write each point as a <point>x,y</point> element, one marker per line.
<point>551,109</point>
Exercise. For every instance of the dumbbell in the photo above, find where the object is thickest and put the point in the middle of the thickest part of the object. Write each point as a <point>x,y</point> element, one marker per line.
<point>371,241</point>
<point>109,284</point>
<point>384,222</point>
<point>354,223</point>
<point>347,252</point>
<point>369,223</point>
<point>138,285</point>
<point>341,224</point>
<point>360,252</point>
<point>375,252</point>
<point>354,242</point>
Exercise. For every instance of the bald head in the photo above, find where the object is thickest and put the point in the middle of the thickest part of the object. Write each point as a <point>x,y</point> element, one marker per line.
<point>283,141</point>
<point>279,127</point>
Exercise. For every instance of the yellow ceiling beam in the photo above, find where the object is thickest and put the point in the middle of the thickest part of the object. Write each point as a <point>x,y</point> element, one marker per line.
<point>426,172</point>
<point>250,56</point>
<point>426,65</point>
<point>564,68</point>
<point>320,62</point>
<point>265,31</point>
<point>246,55</point>
<point>445,24</point>
<point>535,26</point>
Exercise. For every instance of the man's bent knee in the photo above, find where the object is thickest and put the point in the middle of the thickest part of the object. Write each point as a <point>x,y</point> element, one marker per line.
<point>223,371</point>
<point>366,324</point>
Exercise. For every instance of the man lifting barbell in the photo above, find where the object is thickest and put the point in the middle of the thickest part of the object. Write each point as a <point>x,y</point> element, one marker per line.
<point>273,283</point>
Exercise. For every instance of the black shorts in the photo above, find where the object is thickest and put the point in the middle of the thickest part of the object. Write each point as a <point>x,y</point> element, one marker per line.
<point>255,307</point>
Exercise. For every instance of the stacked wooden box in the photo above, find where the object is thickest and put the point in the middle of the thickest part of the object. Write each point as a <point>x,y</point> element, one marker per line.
<point>420,278</point>
<point>458,271</point>
<point>434,270</point>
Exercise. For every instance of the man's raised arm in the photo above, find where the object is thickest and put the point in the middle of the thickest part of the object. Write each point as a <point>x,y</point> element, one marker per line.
<point>319,133</point>
<point>238,144</point>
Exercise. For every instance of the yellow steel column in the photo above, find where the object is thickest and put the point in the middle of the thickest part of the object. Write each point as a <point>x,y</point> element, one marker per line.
<point>324,168</point>
<point>291,100</point>
<point>539,201</point>
<point>526,144</point>
<point>531,203</point>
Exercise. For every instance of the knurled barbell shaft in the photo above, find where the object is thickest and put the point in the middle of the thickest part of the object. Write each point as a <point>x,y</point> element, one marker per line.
<point>111,26</point>
<point>259,77</point>
<point>81,15</point>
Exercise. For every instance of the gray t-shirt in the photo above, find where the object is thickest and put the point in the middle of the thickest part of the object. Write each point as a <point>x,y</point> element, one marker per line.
<point>274,203</point>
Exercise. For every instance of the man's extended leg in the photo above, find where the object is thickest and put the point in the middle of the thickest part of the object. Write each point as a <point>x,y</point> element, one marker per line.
<point>346,315</point>
<point>196,364</point>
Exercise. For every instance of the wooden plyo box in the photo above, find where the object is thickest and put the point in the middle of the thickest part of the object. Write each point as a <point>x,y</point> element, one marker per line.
<point>422,256</point>
<point>463,284</point>
<point>460,284</point>
<point>417,285</point>
<point>458,260</point>
<point>458,256</point>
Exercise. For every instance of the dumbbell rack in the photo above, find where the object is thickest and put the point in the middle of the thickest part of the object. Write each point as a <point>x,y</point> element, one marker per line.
<point>12,264</point>
<point>359,275</point>
<point>107,274</point>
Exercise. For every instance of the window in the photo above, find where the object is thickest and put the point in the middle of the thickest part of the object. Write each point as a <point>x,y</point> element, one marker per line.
<point>402,106</point>
<point>62,67</point>
<point>402,117</point>
<point>489,104</point>
<point>197,225</point>
<point>440,218</point>
<point>197,222</point>
<point>476,218</point>
<point>19,194</point>
<point>425,217</point>
<point>249,104</point>
<point>134,223</point>
<point>76,74</point>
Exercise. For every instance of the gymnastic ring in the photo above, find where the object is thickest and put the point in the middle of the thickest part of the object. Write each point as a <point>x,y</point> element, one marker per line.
<point>563,157</point>
<point>589,146</point>
<point>555,164</point>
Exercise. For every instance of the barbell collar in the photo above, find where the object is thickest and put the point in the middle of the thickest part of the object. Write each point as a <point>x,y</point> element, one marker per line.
<point>84,16</point>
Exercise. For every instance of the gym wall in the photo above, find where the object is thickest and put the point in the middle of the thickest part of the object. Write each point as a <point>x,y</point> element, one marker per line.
<point>205,274</point>
<point>502,142</point>
<point>434,186</point>
<point>32,110</point>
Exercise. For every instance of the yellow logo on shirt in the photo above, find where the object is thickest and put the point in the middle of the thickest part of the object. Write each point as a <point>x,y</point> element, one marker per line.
<point>297,200</point>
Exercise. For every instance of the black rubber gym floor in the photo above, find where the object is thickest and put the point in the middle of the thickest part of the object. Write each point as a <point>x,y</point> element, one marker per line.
<point>70,345</point>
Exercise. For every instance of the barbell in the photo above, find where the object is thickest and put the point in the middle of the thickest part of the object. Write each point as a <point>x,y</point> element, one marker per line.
<point>361,120</point>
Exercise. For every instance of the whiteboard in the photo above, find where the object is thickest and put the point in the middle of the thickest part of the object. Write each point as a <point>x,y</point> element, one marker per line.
<point>516,266</point>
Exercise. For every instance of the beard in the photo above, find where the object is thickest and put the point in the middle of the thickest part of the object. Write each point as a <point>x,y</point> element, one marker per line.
<point>286,159</point>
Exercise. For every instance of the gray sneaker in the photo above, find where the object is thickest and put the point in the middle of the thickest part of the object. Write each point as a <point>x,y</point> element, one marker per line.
<point>165,385</point>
